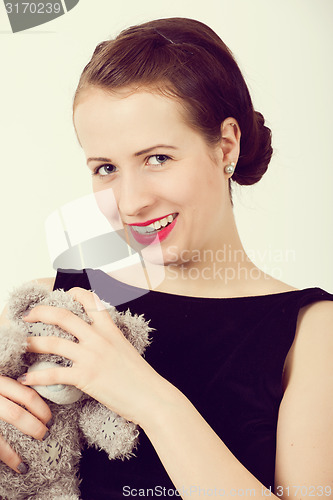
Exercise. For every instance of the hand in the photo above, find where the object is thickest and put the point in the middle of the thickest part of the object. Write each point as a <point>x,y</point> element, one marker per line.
<point>105,364</point>
<point>30,420</point>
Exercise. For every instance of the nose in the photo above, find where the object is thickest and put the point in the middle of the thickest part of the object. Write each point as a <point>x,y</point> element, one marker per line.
<point>134,195</point>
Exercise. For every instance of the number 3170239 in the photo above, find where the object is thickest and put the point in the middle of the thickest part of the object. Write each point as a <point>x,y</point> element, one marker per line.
<point>303,491</point>
<point>33,8</point>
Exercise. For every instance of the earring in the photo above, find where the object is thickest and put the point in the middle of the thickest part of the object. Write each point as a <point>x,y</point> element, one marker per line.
<point>229,169</point>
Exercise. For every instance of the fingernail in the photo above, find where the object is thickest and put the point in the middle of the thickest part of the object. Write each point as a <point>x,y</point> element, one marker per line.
<point>25,313</point>
<point>50,423</point>
<point>23,468</point>
<point>22,378</point>
<point>46,435</point>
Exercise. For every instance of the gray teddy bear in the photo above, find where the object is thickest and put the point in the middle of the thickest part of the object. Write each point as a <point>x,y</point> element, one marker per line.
<point>77,418</point>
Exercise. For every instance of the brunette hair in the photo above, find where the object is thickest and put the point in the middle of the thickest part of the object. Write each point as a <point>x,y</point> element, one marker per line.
<point>185,59</point>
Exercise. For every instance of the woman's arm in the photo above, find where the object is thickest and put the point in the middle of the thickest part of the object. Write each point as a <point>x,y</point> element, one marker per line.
<point>305,427</point>
<point>195,458</point>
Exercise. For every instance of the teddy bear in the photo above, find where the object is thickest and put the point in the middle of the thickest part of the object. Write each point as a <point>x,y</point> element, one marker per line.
<point>78,420</point>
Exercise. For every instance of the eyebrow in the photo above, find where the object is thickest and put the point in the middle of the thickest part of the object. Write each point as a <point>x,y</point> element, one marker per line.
<point>148,150</point>
<point>139,153</point>
<point>99,158</point>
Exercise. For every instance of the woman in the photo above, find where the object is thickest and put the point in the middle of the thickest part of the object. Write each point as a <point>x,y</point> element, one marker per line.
<point>233,396</point>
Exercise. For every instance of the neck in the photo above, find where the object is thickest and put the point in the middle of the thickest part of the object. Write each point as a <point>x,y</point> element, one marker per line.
<point>220,269</point>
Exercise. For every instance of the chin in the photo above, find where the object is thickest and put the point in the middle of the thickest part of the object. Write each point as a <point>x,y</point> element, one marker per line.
<point>154,255</point>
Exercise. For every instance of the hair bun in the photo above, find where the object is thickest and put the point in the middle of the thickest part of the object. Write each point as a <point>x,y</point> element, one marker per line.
<point>255,151</point>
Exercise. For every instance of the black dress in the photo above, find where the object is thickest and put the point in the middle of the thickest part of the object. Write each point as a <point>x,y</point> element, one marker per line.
<point>225,354</point>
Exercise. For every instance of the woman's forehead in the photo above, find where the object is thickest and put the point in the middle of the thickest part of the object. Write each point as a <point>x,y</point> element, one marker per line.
<point>137,113</point>
<point>126,97</point>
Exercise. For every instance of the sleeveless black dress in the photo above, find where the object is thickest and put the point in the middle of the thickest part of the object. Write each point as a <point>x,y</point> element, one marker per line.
<point>225,354</point>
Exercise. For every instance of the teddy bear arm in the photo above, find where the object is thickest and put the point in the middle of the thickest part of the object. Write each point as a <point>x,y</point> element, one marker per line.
<point>13,344</point>
<point>107,431</point>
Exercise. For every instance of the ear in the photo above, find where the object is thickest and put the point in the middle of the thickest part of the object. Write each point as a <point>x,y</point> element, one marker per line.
<point>230,141</point>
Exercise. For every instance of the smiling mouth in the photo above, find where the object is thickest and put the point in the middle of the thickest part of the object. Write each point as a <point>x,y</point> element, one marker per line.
<point>155,226</point>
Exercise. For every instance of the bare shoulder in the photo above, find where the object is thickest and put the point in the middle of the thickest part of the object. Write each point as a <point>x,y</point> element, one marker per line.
<point>313,337</point>
<point>315,322</point>
<point>318,315</point>
<point>48,282</point>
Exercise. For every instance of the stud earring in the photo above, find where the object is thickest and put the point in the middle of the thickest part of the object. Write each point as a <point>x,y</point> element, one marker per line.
<point>229,169</point>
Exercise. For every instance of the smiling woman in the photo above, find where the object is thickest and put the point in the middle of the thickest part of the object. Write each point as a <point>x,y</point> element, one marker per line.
<point>189,183</point>
<point>224,395</point>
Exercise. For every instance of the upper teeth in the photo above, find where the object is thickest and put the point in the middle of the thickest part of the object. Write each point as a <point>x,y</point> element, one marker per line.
<point>154,225</point>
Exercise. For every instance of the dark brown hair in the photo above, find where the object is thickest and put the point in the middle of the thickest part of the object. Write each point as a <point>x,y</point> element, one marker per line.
<point>185,59</point>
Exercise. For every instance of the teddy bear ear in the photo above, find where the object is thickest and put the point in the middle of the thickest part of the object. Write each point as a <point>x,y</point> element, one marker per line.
<point>25,297</point>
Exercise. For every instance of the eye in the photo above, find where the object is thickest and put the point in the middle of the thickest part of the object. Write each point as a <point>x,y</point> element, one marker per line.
<point>157,159</point>
<point>104,170</point>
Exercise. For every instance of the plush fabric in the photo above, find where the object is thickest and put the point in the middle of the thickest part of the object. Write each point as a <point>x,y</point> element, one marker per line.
<point>77,419</point>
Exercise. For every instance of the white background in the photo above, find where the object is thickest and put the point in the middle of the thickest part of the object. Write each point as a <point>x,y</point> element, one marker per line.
<point>284,48</point>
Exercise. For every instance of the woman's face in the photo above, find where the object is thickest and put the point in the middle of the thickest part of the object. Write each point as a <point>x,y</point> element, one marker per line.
<point>158,175</point>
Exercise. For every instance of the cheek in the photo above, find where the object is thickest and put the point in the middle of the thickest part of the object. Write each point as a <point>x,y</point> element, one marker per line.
<point>107,204</point>
<point>196,190</point>
<point>213,182</point>
<point>203,194</point>
<point>184,187</point>
<point>182,194</point>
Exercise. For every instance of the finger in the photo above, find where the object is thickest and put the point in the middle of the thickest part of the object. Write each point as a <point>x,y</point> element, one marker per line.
<point>90,301</point>
<point>54,345</point>
<point>21,419</point>
<point>30,399</point>
<point>63,318</point>
<point>51,376</point>
<point>11,458</point>
<point>93,305</point>
<point>95,309</point>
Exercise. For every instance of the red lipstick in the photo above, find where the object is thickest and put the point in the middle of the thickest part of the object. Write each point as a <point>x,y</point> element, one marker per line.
<point>155,236</point>
<point>147,222</point>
